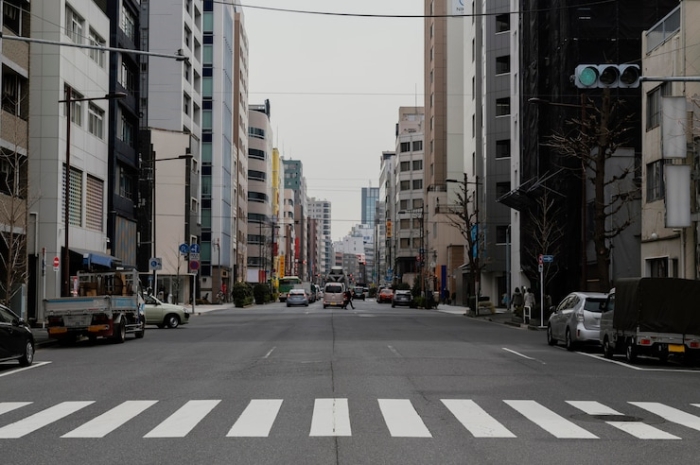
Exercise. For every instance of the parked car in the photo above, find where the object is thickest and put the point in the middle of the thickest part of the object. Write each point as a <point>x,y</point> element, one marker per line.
<point>16,339</point>
<point>297,297</point>
<point>576,320</point>
<point>164,315</point>
<point>402,297</point>
<point>385,295</point>
<point>358,293</point>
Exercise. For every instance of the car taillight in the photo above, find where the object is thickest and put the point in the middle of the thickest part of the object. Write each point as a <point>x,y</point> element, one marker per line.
<point>55,321</point>
<point>579,316</point>
<point>645,342</point>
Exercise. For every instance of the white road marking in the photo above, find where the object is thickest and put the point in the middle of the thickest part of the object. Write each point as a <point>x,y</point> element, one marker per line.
<point>331,418</point>
<point>549,421</point>
<point>10,406</point>
<point>270,352</point>
<point>671,414</point>
<point>476,420</point>
<point>637,368</point>
<point>394,351</point>
<point>522,355</point>
<point>30,367</point>
<point>41,419</point>
<point>257,419</point>
<point>637,429</point>
<point>104,424</point>
<point>402,419</point>
<point>180,423</point>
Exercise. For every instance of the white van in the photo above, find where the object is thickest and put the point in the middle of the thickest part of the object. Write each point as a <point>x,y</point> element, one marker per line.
<point>333,295</point>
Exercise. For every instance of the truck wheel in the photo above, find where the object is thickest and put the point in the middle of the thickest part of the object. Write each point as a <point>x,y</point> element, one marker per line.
<point>28,356</point>
<point>142,331</point>
<point>630,352</point>
<point>608,350</point>
<point>120,334</point>
<point>569,343</point>
<point>550,338</point>
<point>172,321</point>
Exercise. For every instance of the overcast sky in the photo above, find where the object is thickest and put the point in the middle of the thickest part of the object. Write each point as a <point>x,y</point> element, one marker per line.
<point>335,85</point>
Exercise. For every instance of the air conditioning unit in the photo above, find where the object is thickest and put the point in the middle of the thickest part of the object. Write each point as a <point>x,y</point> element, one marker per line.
<point>224,274</point>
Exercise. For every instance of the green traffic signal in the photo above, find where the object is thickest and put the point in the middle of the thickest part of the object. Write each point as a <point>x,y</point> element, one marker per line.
<point>588,75</point>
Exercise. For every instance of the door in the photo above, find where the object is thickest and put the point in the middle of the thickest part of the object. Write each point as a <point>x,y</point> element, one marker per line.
<point>153,311</point>
<point>11,335</point>
<point>560,317</point>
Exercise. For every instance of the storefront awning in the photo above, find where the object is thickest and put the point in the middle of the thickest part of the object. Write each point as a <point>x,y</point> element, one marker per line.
<point>93,258</point>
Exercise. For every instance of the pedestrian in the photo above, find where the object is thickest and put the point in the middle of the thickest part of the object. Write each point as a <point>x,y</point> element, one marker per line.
<point>348,300</point>
<point>517,301</point>
<point>445,296</point>
<point>529,299</point>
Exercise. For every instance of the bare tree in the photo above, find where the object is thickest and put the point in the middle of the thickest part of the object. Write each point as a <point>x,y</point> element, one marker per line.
<point>546,233</point>
<point>594,139</point>
<point>464,215</point>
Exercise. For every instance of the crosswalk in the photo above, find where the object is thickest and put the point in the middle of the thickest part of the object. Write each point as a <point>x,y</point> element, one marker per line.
<point>331,417</point>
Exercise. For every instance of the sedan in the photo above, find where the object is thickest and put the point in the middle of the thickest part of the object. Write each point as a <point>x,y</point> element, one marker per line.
<point>385,295</point>
<point>297,297</point>
<point>402,298</point>
<point>164,315</point>
<point>576,320</point>
<point>16,339</point>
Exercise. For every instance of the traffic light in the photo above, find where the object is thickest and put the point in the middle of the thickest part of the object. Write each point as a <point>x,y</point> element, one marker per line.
<point>607,76</point>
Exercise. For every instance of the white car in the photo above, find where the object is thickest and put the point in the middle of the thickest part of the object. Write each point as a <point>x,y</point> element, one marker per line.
<point>576,320</point>
<point>164,315</point>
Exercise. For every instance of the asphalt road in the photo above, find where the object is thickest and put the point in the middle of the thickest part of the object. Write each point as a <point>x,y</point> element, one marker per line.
<point>374,385</point>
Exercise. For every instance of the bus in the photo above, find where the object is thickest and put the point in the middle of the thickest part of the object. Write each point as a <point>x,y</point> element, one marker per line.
<point>287,283</point>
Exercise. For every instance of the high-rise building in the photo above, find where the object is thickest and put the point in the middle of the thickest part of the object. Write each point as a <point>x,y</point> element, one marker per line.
<point>370,195</point>
<point>320,210</point>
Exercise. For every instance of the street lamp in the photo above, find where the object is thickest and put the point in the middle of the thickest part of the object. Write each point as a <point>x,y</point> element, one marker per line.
<point>69,100</point>
<point>187,156</point>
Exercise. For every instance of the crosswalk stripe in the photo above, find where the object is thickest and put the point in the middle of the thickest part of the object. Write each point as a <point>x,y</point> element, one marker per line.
<point>331,417</point>
<point>637,429</point>
<point>671,414</point>
<point>10,406</point>
<point>402,419</point>
<point>476,420</point>
<point>104,424</point>
<point>183,420</point>
<point>549,421</point>
<point>257,419</point>
<point>41,419</point>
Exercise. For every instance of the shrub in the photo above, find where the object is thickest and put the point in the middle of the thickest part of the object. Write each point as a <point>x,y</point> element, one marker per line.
<point>242,294</point>
<point>261,293</point>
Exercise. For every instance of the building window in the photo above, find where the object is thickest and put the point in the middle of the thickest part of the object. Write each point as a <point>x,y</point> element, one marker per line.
<point>14,101</point>
<point>125,130</point>
<point>405,147</point>
<point>405,185</point>
<point>188,37</point>
<point>10,168</point>
<point>12,17</point>
<point>127,77</point>
<point>96,120</point>
<point>76,108</point>
<point>501,234</point>
<point>403,204</point>
<point>94,206</point>
<point>503,148</point>
<point>418,144</point>
<point>502,188</point>
<point>654,105</point>
<point>75,199</point>
<point>259,155</point>
<point>503,23</point>
<point>405,243</point>
<point>503,106</point>
<point>74,26</point>
<point>194,205</point>
<point>417,184</point>
<point>128,24</point>
<point>417,165</point>
<point>125,185</point>
<point>655,181</point>
<point>405,166</point>
<point>405,223</point>
<point>503,64</point>
<point>257,197</point>
<point>98,56</point>
<point>254,175</point>
<point>256,133</point>
<point>417,203</point>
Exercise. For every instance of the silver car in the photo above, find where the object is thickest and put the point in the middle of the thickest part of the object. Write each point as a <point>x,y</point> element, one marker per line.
<point>297,297</point>
<point>576,320</point>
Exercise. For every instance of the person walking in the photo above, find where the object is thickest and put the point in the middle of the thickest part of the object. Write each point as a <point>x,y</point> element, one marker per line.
<point>518,301</point>
<point>348,300</point>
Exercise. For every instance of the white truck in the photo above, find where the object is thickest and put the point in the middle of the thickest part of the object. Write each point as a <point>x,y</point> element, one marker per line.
<point>108,304</point>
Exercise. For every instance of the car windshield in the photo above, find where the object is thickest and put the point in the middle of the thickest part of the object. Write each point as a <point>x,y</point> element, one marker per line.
<point>593,305</point>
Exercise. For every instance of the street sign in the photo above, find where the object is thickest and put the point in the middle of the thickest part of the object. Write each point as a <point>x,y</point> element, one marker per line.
<point>56,263</point>
<point>194,248</point>
<point>155,264</point>
<point>194,256</point>
<point>547,258</point>
<point>194,265</point>
<point>184,248</point>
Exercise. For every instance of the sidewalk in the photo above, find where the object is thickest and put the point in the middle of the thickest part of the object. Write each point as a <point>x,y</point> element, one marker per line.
<point>502,316</point>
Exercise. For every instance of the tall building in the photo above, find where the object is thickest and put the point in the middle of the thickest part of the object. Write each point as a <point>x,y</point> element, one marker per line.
<point>240,139</point>
<point>260,226</point>
<point>320,210</point>
<point>294,180</point>
<point>384,225</point>
<point>370,195</point>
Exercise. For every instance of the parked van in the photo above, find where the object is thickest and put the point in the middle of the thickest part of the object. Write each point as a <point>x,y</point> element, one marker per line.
<point>333,295</point>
